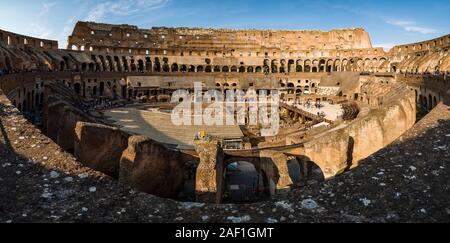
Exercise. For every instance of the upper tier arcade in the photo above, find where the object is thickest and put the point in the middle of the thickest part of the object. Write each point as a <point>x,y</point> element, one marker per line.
<point>13,39</point>
<point>431,56</point>
<point>125,38</point>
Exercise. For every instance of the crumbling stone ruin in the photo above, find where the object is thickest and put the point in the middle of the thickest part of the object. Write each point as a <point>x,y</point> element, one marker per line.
<point>67,94</point>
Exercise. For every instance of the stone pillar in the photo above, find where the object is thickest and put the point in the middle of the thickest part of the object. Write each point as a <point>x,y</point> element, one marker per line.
<point>150,167</point>
<point>100,147</point>
<point>209,183</point>
<point>280,175</point>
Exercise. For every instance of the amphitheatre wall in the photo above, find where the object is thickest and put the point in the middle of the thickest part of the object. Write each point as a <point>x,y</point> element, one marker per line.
<point>176,62</point>
<point>14,39</point>
<point>123,37</point>
<point>430,90</point>
<point>430,56</point>
<point>342,148</point>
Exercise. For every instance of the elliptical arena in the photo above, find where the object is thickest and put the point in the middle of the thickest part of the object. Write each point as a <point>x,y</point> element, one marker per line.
<point>107,100</point>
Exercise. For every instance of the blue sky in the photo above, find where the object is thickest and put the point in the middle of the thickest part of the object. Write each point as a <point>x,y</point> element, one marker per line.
<point>388,22</point>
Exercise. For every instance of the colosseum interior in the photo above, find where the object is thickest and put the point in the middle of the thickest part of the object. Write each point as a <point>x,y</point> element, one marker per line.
<point>361,129</point>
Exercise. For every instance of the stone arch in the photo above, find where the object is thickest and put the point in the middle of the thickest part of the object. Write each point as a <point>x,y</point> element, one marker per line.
<point>133,66</point>
<point>126,68</point>
<point>174,67</point>
<point>62,66</point>
<point>242,69</point>
<point>191,69</point>
<point>367,65</point>
<point>102,63</point>
<point>157,66</point>
<point>200,69</point>
<point>291,65</point>
<point>330,65</point>
<point>217,69</point>
<point>258,69</point>
<point>165,67</point>
<point>345,65</point>
<point>274,66</point>
<point>110,63</point>
<point>394,68</point>
<point>374,65</point>
<point>266,66</point>
<point>283,66</point>
<point>307,66</point>
<point>225,69</point>
<point>92,67</point>
<point>208,69</point>
<point>140,65</point>
<point>315,66</point>
<point>118,65</point>
<point>102,88</point>
<point>183,68</point>
<point>242,181</point>
<point>322,65</point>
<point>77,88</point>
<point>250,69</point>
<point>337,65</point>
<point>234,69</point>
<point>148,64</point>
<point>299,66</point>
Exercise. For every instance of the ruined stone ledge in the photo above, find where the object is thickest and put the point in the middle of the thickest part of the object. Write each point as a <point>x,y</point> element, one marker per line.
<point>406,182</point>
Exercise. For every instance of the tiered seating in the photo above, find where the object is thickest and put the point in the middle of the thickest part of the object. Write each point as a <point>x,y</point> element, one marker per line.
<point>328,91</point>
<point>351,111</point>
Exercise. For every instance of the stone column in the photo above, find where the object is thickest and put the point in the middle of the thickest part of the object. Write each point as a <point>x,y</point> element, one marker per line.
<point>151,167</point>
<point>209,183</point>
<point>281,175</point>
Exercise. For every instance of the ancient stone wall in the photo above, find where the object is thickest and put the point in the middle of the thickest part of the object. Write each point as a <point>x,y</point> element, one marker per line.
<point>100,147</point>
<point>13,39</point>
<point>430,56</point>
<point>150,167</point>
<point>340,149</point>
<point>430,90</point>
<point>124,37</point>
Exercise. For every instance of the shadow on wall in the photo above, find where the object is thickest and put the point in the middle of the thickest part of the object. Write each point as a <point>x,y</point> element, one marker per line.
<point>242,182</point>
<point>22,192</point>
<point>305,171</point>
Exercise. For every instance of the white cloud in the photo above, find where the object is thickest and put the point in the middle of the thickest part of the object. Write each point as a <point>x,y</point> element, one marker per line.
<point>124,8</point>
<point>40,31</point>
<point>411,26</point>
<point>45,8</point>
<point>386,46</point>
